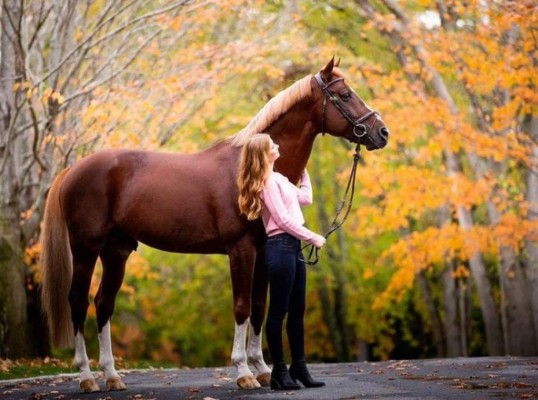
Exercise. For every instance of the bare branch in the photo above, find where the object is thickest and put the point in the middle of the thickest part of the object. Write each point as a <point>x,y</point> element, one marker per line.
<point>36,130</point>
<point>40,23</point>
<point>86,43</point>
<point>113,75</point>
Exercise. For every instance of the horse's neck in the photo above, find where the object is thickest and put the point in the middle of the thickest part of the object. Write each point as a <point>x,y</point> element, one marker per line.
<point>295,134</point>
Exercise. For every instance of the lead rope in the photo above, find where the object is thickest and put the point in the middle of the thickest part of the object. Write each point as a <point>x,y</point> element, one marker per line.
<point>313,254</point>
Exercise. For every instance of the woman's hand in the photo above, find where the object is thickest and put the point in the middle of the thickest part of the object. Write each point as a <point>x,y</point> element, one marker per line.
<point>318,241</point>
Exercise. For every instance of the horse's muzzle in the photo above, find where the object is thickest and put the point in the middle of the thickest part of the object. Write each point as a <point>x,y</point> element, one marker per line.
<point>377,139</point>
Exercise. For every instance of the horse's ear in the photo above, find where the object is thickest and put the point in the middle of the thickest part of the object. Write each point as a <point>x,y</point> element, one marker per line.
<point>337,64</point>
<point>327,70</point>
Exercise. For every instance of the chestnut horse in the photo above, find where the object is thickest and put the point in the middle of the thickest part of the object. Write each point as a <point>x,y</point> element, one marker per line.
<point>187,203</point>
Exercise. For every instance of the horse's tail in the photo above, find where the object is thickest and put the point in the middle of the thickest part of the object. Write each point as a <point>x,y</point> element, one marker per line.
<point>56,268</point>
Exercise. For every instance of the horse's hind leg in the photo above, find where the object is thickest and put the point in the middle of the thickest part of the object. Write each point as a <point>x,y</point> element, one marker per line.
<point>242,258</point>
<point>259,296</point>
<point>84,258</point>
<point>113,257</point>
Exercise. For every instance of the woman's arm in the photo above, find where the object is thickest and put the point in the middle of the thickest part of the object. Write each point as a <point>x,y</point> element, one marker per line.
<point>305,189</point>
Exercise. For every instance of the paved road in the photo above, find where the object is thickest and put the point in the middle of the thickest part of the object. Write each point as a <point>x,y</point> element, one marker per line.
<point>456,378</point>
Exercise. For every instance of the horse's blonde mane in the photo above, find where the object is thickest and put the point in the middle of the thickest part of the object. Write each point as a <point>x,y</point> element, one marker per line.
<point>274,108</point>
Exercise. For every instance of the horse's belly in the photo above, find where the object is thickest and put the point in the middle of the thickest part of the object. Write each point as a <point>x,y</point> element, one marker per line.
<point>181,239</point>
<point>207,247</point>
<point>181,229</point>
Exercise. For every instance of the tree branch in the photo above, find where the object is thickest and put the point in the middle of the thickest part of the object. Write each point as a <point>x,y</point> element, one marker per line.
<point>109,35</point>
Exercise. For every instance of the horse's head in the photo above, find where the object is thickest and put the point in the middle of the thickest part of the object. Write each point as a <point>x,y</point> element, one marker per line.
<point>343,113</point>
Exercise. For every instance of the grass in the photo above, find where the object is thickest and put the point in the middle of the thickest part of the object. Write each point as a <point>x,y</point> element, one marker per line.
<point>26,368</point>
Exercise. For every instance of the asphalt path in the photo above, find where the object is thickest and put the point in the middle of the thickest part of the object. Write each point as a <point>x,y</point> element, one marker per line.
<point>454,378</point>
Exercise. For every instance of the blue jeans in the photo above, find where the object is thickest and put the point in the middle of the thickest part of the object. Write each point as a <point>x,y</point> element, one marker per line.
<point>287,290</point>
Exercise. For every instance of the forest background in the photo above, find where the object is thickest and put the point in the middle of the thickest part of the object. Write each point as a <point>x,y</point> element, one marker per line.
<point>440,254</point>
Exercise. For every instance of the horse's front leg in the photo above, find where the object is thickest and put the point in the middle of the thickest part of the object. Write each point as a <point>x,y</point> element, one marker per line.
<point>242,257</point>
<point>259,297</point>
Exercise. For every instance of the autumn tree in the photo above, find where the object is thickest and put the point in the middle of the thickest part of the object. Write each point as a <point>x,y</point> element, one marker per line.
<point>54,55</point>
<point>471,130</point>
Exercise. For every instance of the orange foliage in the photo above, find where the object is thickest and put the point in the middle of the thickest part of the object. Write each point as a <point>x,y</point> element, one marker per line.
<point>175,91</point>
<point>489,65</point>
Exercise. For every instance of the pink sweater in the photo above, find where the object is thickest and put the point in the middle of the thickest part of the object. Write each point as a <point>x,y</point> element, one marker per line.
<point>282,202</point>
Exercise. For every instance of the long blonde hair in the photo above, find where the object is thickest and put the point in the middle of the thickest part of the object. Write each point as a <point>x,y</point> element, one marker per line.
<point>254,168</point>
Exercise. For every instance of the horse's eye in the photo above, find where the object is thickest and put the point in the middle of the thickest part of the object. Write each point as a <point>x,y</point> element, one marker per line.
<point>346,96</point>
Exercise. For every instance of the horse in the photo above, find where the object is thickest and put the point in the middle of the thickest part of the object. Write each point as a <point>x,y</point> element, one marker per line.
<point>107,202</point>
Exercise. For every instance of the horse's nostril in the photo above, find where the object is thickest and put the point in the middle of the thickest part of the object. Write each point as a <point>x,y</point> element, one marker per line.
<point>384,132</point>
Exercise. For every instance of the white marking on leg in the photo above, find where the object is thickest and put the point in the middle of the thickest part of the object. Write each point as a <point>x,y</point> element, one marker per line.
<point>254,351</point>
<point>81,358</point>
<point>239,354</point>
<point>106,359</point>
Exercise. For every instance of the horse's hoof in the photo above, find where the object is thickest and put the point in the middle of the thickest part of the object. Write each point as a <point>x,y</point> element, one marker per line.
<point>89,386</point>
<point>264,379</point>
<point>248,383</point>
<point>115,384</point>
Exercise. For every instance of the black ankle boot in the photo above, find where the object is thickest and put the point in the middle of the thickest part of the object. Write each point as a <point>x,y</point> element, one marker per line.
<point>299,372</point>
<point>280,378</point>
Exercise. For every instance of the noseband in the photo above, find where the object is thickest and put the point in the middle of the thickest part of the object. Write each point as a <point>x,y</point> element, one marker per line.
<point>359,128</point>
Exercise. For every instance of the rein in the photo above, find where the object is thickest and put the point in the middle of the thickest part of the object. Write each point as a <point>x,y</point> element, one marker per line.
<point>313,255</point>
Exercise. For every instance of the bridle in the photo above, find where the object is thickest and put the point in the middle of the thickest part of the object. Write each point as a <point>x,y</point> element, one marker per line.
<point>359,128</point>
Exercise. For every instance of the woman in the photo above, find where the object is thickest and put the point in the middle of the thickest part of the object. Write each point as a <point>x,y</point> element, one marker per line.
<point>265,192</point>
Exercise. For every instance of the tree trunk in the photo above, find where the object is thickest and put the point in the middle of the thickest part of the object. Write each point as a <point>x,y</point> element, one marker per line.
<point>531,245</point>
<point>435,318</point>
<point>515,299</point>
<point>453,321</point>
<point>464,306</point>
<point>490,315</point>
<point>13,316</point>
<point>516,316</point>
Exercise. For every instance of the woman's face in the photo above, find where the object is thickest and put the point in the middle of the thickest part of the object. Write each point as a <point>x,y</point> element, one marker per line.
<point>273,153</point>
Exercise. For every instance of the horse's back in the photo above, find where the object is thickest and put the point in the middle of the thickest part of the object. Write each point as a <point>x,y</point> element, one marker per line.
<point>174,202</point>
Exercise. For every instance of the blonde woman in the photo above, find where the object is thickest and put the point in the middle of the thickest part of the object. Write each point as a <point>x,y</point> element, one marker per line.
<point>266,193</point>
